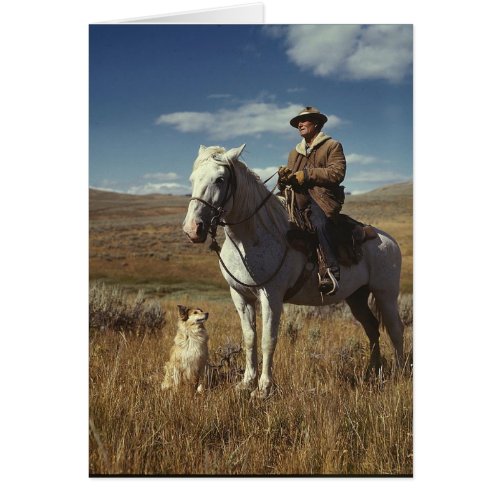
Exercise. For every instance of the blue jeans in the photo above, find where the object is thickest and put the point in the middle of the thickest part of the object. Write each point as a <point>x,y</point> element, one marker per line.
<point>324,231</point>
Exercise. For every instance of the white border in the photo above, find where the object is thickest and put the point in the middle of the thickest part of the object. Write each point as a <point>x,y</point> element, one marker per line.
<point>238,14</point>
<point>44,159</point>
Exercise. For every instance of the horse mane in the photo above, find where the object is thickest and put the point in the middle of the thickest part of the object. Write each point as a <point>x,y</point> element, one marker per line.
<point>251,191</point>
<point>213,153</point>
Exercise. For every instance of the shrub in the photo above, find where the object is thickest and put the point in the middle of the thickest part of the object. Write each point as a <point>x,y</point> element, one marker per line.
<point>110,309</point>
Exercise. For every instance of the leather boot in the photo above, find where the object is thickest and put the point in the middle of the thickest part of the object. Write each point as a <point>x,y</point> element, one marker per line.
<point>329,282</point>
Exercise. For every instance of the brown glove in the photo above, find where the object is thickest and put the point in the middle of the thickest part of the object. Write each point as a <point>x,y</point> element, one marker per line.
<point>298,180</point>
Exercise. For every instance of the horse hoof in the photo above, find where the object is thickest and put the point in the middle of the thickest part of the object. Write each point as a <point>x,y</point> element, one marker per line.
<point>244,386</point>
<point>260,394</point>
<point>373,373</point>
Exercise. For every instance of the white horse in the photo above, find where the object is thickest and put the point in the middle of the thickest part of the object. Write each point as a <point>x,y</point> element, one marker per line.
<point>258,263</point>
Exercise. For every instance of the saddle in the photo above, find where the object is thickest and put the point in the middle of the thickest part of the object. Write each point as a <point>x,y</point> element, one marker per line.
<point>348,235</point>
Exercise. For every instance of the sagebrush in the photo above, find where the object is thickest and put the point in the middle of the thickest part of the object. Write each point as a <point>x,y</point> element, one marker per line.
<point>111,309</point>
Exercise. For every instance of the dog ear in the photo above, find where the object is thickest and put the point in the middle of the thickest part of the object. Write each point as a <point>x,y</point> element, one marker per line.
<point>183,312</point>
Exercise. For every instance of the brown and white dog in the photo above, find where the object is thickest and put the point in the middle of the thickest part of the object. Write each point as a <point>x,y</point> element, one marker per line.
<point>189,354</point>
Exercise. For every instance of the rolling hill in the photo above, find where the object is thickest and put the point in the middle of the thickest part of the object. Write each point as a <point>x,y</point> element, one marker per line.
<point>138,239</point>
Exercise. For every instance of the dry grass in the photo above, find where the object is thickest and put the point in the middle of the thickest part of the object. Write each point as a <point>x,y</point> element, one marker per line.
<point>138,240</point>
<point>390,209</point>
<point>322,418</point>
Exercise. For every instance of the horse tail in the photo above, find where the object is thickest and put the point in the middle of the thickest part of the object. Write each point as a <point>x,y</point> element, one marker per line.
<point>386,310</point>
<point>377,312</point>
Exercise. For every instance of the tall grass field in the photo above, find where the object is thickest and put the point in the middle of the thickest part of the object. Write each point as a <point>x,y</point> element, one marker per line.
<point>323,417</point>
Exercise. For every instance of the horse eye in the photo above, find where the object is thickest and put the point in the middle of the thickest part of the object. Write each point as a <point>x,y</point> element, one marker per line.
<point>219,180</point>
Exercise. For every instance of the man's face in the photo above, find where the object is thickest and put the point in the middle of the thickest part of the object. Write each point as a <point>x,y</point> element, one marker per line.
<point>307,129</point>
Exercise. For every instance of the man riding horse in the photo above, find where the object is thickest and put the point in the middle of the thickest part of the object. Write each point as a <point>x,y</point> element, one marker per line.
<point>316,167</point>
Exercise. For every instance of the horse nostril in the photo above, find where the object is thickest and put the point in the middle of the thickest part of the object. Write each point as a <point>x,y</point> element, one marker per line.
<point>199,228</point>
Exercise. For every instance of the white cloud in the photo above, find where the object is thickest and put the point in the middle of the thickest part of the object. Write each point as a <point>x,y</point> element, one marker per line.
<point>356,159</point>
<point>352,52</point>
<point>267,172</point>
<point>186,121</point>
<point>378,176</point>
<point>162,176</point>
<point>161,188</point>
<point>100,188</point>
<point>252,118</point>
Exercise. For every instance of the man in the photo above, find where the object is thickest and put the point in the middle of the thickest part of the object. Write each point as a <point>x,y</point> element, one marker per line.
<point>315,169</point>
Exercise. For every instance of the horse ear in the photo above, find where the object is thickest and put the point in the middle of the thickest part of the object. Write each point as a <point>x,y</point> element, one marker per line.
<point>202,148</point>
<point>235,153</point>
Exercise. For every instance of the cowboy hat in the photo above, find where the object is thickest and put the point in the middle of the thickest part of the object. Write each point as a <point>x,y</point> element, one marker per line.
<point>309,112</point>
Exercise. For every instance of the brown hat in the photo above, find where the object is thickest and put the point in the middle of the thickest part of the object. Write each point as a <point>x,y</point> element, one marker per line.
<point>309,112</point>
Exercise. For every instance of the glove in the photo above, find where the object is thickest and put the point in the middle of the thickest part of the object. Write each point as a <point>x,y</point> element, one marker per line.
<point>298,180</point>
<point>283,174</point>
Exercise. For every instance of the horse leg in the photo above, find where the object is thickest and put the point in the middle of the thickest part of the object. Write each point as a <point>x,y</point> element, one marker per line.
<point>271,313</point>
<point>387,305</point>
<point>358,303</point>
<point>246,311</point>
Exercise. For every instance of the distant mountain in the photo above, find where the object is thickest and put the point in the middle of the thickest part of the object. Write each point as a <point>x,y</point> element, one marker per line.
<point>108,200</point>
<point>102,195</point>
<point>401,189</point>
<point>102,199</point>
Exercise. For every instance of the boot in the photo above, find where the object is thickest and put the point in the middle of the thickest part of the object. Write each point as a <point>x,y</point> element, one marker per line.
<point>329,282</point>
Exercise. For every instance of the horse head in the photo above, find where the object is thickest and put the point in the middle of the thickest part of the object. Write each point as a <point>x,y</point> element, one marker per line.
<point>213,184</point>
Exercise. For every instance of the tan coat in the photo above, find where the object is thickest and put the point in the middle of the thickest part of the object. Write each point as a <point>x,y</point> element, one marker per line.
<point>325,170</point>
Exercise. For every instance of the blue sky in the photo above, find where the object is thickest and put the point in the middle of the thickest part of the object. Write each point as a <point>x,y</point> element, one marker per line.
<point>159,91</point>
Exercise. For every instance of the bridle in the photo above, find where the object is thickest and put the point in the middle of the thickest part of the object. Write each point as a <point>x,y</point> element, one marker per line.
<point>231,186</point>
<point>216,221</point>
<point>218,212</point>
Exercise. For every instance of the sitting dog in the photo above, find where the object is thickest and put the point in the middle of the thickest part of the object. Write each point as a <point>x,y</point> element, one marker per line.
<point>189,354</point>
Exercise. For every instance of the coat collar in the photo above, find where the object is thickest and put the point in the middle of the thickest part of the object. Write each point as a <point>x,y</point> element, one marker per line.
<point>319,139</point>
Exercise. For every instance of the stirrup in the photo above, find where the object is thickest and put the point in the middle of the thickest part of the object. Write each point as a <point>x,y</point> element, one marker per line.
<point>328,284</point>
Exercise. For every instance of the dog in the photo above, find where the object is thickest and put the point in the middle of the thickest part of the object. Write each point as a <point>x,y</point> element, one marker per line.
<point>189,354</point>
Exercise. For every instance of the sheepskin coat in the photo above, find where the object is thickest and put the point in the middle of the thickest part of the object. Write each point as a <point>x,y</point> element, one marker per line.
<point>324,166</point>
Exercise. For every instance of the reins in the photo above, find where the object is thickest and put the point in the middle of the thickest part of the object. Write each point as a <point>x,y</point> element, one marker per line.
<point>217,221</point>
<point>219,211</point>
